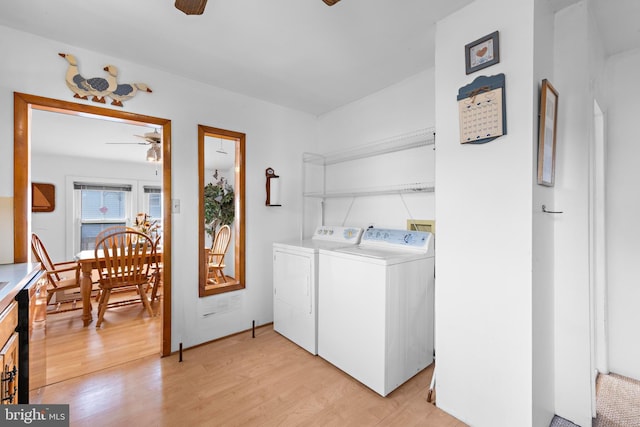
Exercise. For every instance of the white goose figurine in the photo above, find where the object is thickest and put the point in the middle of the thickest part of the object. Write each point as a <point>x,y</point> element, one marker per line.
<point>127,91</point>
<point>73,78</point>
<point>100,87</point>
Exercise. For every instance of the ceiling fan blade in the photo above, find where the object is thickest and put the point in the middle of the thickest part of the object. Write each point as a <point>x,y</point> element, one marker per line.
<point>191,7</point>
<point>151,137</point>
<point>150,140</point>
<point>328,2</point>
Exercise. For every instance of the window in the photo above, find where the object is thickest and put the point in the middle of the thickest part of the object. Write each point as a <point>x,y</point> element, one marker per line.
<point>153,202</point>
<point>98,207</point>
<point>99,203</point>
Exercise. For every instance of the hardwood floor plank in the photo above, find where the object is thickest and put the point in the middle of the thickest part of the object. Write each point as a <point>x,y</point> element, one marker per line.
<point>73,350</point>
<point>238,381</point>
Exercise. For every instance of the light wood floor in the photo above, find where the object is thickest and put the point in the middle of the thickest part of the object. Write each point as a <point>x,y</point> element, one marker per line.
<point>127,333</point>
<point>236,381</point>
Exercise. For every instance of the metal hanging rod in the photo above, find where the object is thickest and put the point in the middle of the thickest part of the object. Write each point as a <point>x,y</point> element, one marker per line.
<point>544,209</point>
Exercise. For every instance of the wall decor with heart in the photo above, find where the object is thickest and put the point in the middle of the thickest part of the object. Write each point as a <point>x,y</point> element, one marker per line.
<point>482,53</point>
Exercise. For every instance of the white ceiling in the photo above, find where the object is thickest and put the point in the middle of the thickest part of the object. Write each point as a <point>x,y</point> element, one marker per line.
<point>619,24</point>
<point>296,53</point>
<point>67,135</point>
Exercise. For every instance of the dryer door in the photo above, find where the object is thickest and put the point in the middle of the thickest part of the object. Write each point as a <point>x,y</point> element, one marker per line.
<point>294,298</point>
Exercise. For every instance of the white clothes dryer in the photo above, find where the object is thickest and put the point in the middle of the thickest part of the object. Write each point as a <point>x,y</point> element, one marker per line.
<point>295,277</point>
<point>377,299</point>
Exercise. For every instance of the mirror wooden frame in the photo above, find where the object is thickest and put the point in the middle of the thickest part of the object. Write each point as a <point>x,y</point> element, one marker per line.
<point>22,105</point>
<point>238,224</point>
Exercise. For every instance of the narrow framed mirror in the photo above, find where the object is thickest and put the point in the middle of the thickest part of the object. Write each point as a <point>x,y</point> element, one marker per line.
<point>221,161</point>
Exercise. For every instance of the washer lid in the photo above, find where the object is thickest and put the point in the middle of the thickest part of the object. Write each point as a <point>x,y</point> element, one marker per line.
<point>325,237</point>
<point>369,252</point>
<point>378,256</point>
<point>309,245</point>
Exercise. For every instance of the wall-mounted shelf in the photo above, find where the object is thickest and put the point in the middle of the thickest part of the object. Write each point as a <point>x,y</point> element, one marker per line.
<point>407,141</point>
<point>418,187</point>
<point>333,173</point>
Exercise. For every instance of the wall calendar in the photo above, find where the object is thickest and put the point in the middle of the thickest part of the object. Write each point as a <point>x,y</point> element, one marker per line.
<point>481,108</point>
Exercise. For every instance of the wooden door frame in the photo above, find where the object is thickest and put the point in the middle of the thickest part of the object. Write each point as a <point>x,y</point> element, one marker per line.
<point>22,104</point>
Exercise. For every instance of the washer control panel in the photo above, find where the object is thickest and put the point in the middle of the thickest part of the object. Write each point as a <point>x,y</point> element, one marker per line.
<point>396,238</point>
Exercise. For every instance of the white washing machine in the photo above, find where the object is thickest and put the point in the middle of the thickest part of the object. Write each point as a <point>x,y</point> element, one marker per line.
<point>295,278</point>
<point>377,299</point>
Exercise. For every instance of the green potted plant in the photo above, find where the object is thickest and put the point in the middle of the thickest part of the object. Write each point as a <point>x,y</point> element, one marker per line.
<point>219,205</point>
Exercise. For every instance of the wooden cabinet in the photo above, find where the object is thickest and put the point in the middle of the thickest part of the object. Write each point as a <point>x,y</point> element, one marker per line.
<point>9,355</point>
<point>18,283</point>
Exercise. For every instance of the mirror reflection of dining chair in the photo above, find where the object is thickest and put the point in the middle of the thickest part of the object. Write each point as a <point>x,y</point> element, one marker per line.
<point>215,261</point>
<point>61,276</point>
<point>128,257</point>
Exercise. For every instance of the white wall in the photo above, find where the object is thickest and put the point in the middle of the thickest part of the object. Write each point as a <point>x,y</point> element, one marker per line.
<point>488,317</point>
<point>484,226</point>
<point>623,211</point>
<point>276,137</point>
<point>403,108</point>
<point>543,239</point>
<point>53,227</point>
<point>577,50</point>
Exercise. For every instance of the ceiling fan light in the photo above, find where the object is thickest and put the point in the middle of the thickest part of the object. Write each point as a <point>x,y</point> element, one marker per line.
<point>330,2</point>
<point>154,154</point>
<point>221,150</point>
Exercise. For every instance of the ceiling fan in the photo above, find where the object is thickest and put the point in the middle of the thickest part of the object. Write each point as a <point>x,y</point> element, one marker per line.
<point>154,153</point>
<point>196,7</point>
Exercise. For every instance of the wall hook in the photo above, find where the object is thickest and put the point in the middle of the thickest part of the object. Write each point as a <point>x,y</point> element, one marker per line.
<point>544,209</point>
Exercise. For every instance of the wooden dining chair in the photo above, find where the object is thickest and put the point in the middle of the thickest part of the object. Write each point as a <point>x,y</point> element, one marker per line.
<point>61,276</point>
<point>112,230</point>
<point>156,272</point>
<point>155,282</point>
<point>107,232</point>
<point>129,257</point>
<point>215,261</point>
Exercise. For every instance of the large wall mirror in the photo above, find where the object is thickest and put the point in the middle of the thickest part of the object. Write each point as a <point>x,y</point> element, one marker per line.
<point>221,219</point>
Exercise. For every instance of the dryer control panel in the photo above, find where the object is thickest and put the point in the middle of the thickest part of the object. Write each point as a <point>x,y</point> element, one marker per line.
<point>349,235</point>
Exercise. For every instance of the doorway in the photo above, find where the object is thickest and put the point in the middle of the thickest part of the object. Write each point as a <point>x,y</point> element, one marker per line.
<point>23,106</point>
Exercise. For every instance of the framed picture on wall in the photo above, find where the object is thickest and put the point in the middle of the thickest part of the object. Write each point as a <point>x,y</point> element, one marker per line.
<point>547,134</point>
<point>482,53</point>
<point>43,197</point>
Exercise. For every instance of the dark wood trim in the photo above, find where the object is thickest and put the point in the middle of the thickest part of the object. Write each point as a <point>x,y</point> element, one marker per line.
<point>239,188</point>
<point>22,104</point>
<point>21,179</point>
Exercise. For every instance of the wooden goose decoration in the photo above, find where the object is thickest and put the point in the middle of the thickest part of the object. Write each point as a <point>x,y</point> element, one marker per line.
<point>100,87</point>
<point>127,91</point>
<point>74,80</point>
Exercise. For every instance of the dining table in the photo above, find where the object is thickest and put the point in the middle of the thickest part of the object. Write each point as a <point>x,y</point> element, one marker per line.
<point>88,264</point>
